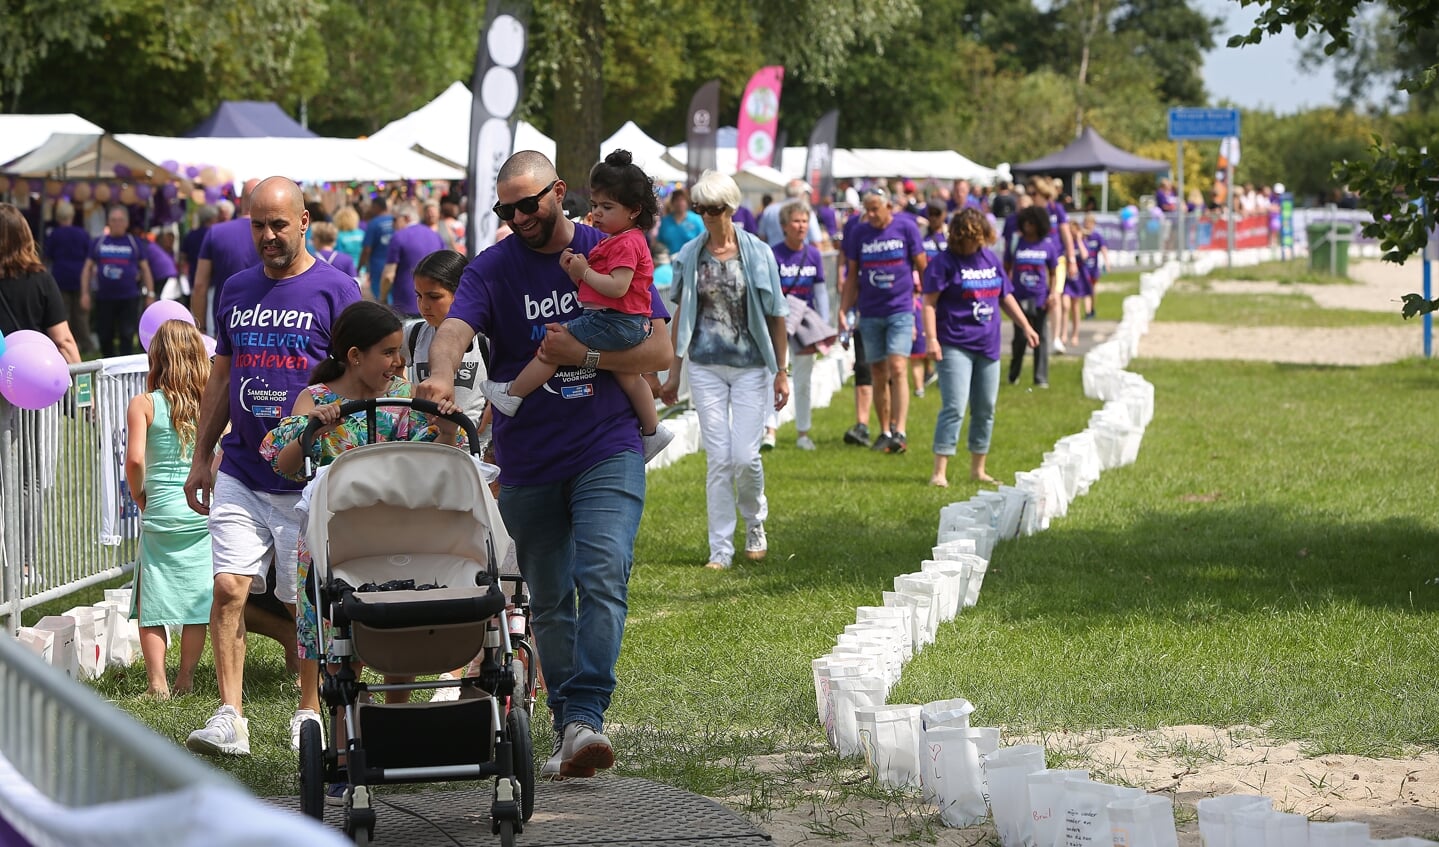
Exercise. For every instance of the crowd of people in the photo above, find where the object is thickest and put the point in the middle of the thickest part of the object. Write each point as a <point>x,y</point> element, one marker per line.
<point>566,301</point>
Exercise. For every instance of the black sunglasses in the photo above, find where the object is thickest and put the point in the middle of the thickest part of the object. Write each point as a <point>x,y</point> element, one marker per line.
<point>529,205</point>
<point>711,210</point>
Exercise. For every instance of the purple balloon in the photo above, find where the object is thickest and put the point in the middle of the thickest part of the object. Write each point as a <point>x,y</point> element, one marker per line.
<point>192,171</point>
<point>212,195</point>
<point>159,312</point>
<point>168,191</point>
<point>25,337</point>
<point>170,165</point>
<point>143,191</point>
<point>122,171</point>
<point>34,376</point>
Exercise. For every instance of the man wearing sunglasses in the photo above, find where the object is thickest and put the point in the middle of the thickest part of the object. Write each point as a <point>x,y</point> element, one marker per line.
<point>572,484</point>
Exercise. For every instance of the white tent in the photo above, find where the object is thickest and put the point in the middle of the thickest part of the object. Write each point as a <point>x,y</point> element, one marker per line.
<point>862,163</point>
<point>20,134</point>
<point>647,152</point>
<point>441,129</point>
<point>84,156</point>
<point>301,159</point>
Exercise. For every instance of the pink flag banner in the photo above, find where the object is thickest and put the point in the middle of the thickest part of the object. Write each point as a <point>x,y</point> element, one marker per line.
<point>759,116</point>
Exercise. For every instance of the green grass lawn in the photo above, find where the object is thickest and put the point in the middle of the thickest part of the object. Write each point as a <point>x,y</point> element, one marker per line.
<point>1188,302</point>
<point>1268,561</point>
<point>1286,271</point>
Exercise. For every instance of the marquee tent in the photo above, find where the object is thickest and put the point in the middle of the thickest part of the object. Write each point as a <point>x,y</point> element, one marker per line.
<point>871,163</point>
<point>249,119</point>
<point>19,134</point>
<point>84,156</point>
<point>647,152</point>
<point>1090,152</point>
<point>302,159</point>
<point>441,129</point>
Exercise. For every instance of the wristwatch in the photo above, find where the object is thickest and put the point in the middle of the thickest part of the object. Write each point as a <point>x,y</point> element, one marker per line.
<point>592,359</point>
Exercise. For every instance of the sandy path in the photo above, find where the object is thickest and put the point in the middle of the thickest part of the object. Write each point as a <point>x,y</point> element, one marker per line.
<point>1396,797</point>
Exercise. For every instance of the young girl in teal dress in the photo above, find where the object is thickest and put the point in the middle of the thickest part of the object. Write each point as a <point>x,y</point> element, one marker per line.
<point>173,576</point>
<point>365,362</point>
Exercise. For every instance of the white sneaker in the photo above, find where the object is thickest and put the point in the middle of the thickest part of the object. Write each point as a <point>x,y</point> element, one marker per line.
<point>767,442</point>
<point>302,715</point>
<point>498,393</point>
<point>1058,346</point>
<point>755,543</point>
<point>225,733</point>
<point>655,444</point>
<point>804,443</point>
<point>445,695</point>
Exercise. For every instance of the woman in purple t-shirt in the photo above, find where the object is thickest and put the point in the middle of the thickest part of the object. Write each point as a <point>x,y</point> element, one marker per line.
<point>964,289</point>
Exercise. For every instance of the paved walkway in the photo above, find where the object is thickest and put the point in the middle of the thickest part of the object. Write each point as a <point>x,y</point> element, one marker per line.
<point>603,811</point>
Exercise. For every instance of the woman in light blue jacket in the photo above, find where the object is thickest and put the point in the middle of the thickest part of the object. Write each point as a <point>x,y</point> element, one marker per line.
<point>729,323</point>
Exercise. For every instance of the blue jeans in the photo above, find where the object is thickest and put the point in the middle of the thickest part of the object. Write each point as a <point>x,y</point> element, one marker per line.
<point>606,329</point>
<point>887,335</point>
<point>965,377</point>
<point>575,540</point>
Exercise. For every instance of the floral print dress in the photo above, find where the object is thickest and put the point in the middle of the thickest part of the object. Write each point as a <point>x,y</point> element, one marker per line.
<point>395,423</point>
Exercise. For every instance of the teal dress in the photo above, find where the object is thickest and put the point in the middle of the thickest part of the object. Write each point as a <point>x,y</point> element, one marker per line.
<point>174,581</point>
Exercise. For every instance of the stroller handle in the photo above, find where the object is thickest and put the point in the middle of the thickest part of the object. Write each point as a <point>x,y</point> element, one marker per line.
<point>352,407</point>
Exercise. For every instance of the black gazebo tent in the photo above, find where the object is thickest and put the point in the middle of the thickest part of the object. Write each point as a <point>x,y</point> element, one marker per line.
<point>1090,152</point>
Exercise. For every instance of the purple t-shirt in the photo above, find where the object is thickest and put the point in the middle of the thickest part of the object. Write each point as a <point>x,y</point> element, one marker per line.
<point>744,219</point>
<point>799,270</point>
<point>1057,216</point>
<point>230,248</point>
<point>274,332</point>
<point>1094,242</point>
<point>935,243</point>
<point>339,259</point>
<point>407,247</point>
<point>825,216</point>
<point>190,246</point>
<point>1027,269</point>
<point>970,289</point>
<point>162,264</point>
<point>886,264</point>
<point>117,266</point>
<point>580,417</point>
<point>67,247</point>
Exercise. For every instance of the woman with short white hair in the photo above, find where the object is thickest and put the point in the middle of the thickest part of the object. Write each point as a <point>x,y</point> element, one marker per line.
<point>729,323</point>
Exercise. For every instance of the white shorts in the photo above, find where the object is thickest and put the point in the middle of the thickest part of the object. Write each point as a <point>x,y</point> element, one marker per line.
<point>247,527</point>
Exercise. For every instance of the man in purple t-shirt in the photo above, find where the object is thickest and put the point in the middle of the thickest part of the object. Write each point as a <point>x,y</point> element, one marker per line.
<point>884,256</point>
<point>228,248</point>
<point>273,327</point>
<point>411,242</point>
<point>572,479</point>
<point>118,271</point>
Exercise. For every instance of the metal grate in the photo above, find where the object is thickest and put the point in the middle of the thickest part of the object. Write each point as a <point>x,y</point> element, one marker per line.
<point>614,810</point>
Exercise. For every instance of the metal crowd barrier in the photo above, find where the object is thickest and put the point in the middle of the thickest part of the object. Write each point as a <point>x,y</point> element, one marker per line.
<point>69,521</point>
<point>78,772</point>
<point>76,749</point>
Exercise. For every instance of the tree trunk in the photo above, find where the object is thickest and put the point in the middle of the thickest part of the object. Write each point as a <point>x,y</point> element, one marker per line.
<point>1090,28</point>
<point>578,105</point>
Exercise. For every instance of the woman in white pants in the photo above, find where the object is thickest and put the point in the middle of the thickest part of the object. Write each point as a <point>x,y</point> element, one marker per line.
<point>729,323</point>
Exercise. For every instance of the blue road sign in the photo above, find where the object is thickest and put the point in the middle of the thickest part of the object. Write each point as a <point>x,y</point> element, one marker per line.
<point>1187,124</point>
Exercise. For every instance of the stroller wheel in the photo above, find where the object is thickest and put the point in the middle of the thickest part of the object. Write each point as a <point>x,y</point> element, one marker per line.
<point>312,771</point>
<point>523,746</point>
<point>507,834</point>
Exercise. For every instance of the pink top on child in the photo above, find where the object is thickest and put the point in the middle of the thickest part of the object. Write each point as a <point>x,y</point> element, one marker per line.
<point>628,249</point>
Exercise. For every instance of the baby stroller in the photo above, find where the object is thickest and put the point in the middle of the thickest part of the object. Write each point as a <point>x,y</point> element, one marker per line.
<point>406,543</point>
